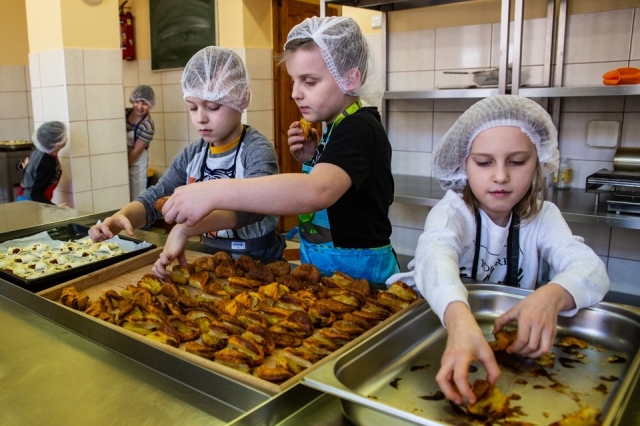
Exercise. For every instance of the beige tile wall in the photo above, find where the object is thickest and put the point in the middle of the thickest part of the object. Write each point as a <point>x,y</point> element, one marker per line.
<point>83,88</point>
<point>174,130</point>
<point>417,60</point>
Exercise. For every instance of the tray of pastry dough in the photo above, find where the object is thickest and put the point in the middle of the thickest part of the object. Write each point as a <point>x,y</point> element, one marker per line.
<point>261,324</point>
<point>41,260</point>
<point>593,367</point>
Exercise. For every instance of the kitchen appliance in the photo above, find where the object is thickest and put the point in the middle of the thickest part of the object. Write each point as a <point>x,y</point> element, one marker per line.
<point>623,182</point>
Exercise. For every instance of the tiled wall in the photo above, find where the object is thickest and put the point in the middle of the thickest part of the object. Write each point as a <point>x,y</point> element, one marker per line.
<point>16,118</point>
<point>174,130</point>
<point>83,88</point>
<point>417,60</point>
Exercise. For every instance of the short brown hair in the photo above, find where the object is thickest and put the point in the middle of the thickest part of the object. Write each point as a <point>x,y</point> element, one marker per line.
<point>527,208</point>
<point>294,45</point>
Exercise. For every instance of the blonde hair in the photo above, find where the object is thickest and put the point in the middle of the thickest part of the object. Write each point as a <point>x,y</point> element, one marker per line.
<point>292,46</point>
<point>527,208</point>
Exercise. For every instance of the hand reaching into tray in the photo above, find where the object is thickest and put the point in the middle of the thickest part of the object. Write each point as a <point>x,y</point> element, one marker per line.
<point>466,343</point>
<point>173,249</point>
<point>537,317</point>
<point>110,228</point>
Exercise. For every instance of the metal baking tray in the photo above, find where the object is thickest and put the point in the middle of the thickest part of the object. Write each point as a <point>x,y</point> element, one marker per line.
<point>418,340</point>
<point>70,232</point>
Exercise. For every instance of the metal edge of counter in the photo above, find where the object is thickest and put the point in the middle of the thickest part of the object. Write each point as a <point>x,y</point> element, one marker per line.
<point>232,398</point>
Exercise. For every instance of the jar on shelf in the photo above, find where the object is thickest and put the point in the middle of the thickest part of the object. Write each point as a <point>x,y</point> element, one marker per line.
<point>563,176</point>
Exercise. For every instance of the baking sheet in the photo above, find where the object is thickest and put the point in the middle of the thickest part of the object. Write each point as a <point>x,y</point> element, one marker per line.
<point>54,237</point>
<point>117,277</point>
<point>408,355</point>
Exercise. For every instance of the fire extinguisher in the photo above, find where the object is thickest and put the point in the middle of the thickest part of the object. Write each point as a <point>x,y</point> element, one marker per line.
<point>126,34</point>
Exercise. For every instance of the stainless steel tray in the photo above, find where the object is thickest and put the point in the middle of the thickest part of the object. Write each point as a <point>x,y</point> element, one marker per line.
<point>418,339</point>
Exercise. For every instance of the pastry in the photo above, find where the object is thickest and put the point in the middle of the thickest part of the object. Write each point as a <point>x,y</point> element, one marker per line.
<point>586,416</point>
<point>490,402</point>
<point>159,204</point>
<point>306,127</point>
<point>307,272</point>
<point>279,268</point>
<point>504,339</point>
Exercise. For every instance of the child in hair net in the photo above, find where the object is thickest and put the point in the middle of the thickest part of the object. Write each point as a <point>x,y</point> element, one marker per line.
<point>43,171</point>
<point>344,192</point>
<point>140,131</point>
<point>216,89</point>
<point>492,226</point>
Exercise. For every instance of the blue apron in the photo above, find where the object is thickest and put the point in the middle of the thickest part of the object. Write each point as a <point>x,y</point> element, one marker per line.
<point>316,242</point>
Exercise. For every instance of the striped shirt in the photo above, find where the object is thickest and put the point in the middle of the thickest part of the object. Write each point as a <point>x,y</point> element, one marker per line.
<point>146,128</point>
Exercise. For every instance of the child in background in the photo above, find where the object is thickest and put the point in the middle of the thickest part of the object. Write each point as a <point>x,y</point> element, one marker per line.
<point>491,226</point>
<point>140,131</point>
<point>42,172</point>
<point>346,188</point>
<point>216,89</point>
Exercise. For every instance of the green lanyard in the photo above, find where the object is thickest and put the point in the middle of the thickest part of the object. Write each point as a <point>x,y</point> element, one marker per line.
<point>351,109</point>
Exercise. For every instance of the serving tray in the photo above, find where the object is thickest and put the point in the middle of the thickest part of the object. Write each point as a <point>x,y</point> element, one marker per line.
<point>406,358</point>
<point>70,232</point>
<point>117,277</point>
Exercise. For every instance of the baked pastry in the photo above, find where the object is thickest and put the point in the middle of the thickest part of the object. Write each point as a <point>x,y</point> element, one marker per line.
<point>250,300</point>
<point>260,335</point>
<point>199,280</point>
<point>179,274</point>
<point>321,316</point>
<point>568,342</point>
<point>338,308</point>
<point>348,297</point>
<point>307,272</point>
<point>186,329</point>
<point>490,402</point>
<point>306,297</point>
<point>170,290</point>
<point>260,273</point>
<point>336,336</point>
<point>306,127</point>
<point>403,291</point>
<point>165,334</point>
<point>73,299</point>
<point>220,256</point>
<point>250,318</point>
<point>393,302</point>
<point>159,204</point>
<point>234,359</point>
<point>293,363</point>
<point>273,374</point>
<point>245,263</point>
<point>151,282</point>
<point>233,323</point>
<point>279,268</point>
<point>297,323</point>
<point>305,353</point>
<point>247,347</point>
<point>274,290</point>
<point>201,317</point>
<point>290,281</point>
<point>290,303</point>
<point>338,279</point>
<point>201,350</point>
<point>225,268</point>
<point>504,339</point>
<point>205,263</point>
<point>586,416</point>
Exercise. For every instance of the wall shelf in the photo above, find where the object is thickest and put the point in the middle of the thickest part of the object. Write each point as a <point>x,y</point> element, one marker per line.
<point>442,94</point>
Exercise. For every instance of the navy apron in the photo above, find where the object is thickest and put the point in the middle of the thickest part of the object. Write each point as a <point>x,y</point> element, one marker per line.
<point>316,243</point>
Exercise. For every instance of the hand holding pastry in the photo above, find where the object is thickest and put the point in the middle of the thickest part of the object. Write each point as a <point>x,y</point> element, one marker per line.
<point>110,228</point>
<point>159,204</point>
<point>466,343</point>
<point>303,140</point>
<point>173,249</point>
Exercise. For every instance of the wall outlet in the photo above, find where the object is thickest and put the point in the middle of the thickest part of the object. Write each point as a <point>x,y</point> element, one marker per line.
<point>603,133</point>
<point>376,21</point>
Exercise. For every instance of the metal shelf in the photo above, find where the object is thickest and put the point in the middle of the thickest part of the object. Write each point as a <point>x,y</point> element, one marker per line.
<point>576,205</point>
<point>564,92</point>
<point>442,94</point>
<point>390,5</point>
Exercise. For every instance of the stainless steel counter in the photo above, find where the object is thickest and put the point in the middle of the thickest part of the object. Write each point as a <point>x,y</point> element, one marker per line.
<point>576,205</point>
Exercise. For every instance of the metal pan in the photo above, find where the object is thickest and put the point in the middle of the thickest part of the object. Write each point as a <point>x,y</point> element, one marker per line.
<point>70,232</point>
<point>418,340</point>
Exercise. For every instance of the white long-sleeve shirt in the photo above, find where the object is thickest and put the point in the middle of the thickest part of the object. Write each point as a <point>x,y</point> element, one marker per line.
<point>446,249</point>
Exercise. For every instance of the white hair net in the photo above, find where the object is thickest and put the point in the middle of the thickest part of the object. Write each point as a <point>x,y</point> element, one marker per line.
<point>450,154</point>
<point>143,93</point>
<point>49,136</point>
<point>343,47</point>
<point>217,74</point>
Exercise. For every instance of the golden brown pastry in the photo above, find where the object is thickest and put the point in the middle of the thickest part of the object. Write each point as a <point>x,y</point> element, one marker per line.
<point>229,307</point>
<point>320,344</point>
<point>504,339</point>
<point>141,325</point>
<point>221,256</point>
<point>187,303</point>
<point>362,286</point>
<point>186,329</point>
<point>159,204</point>
<point>233,323</point>
<point>247,347</point>
<point>171,307</point>
<point>338,279</point>
<point>290,281</point>
<point>250,318</point>
<point>338,337</point>
<point>261,273</point>
<point>546,360</point>
<point>73,299</point>
<point>170,290</point>
<point>245,263</point>
<point>179,274</point>
<point>250,300</point>
<point>273,314</point>
<point>321,316</point>
<point>154,312</point>
<point>393,302</point>
<point>165,334</point>
<point>293,363</point>
<point>152,283</point>
<point>490,402</point>
<point>210,306</point>
<point>338,308</point>
<point>290,303</point>
<point>305,353</point>
<point>297,323</point>
<point>234,359</point>
<point>568,342</point>
<point>403,291</point>
<point>199,280</point>
<point>201,317</point>
<point>205,263</point>
<point>143,298</point>
<point>225,268</point>
<point>348,297</point>
<point>262,337</point>
<point>284,340</point>
<point>306,297</point>
<point>274,290</point>
<point>307,272</point>
<point>200,350</point>
<point>279,268</point>
<point>306,127</point>
<point>586,416</point>
<point>111,300</point>
<point>217,291</point>
<point>275,374</point>
<point>245,283</point>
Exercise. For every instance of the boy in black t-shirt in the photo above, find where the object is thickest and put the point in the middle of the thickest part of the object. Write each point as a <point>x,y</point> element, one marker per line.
<point>344,193</point>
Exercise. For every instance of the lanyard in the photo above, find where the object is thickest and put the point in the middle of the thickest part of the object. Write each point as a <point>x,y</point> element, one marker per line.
<point>351,109</point>
<point>513,250</point>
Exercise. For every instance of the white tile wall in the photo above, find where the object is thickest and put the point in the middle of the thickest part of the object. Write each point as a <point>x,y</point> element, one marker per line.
<point>463,47</point>
<point>409,131</point>
<point>533,42</point>
<point>111,198</point>
<point>412,50</point>
<point>624,275</point>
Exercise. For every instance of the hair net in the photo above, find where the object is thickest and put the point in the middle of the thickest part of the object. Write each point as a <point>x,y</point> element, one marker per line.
<point>450,154</point>
<point>343,47</point>
<point>49,136</point>
<point>143,93</point>
<point>217,74</point>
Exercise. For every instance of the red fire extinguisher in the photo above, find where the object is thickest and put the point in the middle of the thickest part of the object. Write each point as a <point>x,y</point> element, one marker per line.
<point>126,34</point>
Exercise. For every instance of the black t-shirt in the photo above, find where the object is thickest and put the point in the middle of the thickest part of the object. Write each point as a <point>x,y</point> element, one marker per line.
<point>359,146</point>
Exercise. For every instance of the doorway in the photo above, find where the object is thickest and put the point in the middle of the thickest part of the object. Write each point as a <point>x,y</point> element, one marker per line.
<point>287,14</point>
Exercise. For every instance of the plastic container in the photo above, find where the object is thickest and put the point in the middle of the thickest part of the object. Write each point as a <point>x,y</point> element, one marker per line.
<point>563,176</point>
